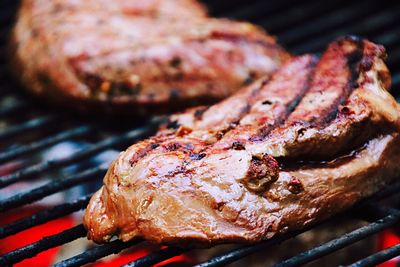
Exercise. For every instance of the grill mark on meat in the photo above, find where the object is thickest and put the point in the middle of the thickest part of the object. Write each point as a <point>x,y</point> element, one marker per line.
<point>265,130</point>
<point>235,190</point>
<point>234,122</point>
<point>288,106</point>
<point>353,63</point>
<point>360,117</point>
<point>332,83</point>
<point>141,153</point>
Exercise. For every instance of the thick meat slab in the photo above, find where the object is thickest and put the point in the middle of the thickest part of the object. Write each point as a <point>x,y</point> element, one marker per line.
<point>136,55</point>
<point>210,175</point>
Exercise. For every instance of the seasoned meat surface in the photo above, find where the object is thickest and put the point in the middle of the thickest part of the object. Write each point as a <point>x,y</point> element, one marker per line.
<point>136,56</point>
<point>237,171</point>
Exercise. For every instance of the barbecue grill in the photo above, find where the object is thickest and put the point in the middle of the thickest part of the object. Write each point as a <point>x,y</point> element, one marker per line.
<point>28,129</point>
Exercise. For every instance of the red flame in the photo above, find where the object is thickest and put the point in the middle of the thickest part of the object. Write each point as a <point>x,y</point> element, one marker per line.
<point>388,239</point>
<point>31,235</point>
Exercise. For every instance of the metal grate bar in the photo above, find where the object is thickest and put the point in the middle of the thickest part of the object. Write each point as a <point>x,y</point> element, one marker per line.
<point>51,188</point>
<point>13,108</point>
<point>236,254</point>
<point>389,38</point>
<point>80,155</point>
<point>44,244</point>
<point>26,126</point>
<point>366,26</point>
<point>26,149</point>
<point>291,16</point>
<point>260,8</point>
<point>96,253</point>
<point>156,257</point>
<point>44,216</point>
<point>379,257</point>
<point>343,241</point>
<point>334,19</point>
<point>394,57</point>
<point>396,80</point>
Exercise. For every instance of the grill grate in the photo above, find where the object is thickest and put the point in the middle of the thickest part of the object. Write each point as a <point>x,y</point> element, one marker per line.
<point>302,26</point>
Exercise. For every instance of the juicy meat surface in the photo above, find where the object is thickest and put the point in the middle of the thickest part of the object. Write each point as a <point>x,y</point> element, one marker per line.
<point>138,56</point>
<point>237,171</point>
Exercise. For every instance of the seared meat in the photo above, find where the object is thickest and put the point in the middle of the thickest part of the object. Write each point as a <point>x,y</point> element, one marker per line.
<point>136,56</point>
<point>209,176</point>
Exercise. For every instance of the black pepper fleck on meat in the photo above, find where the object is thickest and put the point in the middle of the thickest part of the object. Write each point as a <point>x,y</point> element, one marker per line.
<point>238,146</point>
<point>173,125</point>
<point>175,62</point>
<point>198,156</point>
<point>154,146</point>
<point>266,102</point>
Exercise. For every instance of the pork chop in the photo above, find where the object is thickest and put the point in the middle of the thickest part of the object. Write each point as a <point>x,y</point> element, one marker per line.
<point>234,172</point>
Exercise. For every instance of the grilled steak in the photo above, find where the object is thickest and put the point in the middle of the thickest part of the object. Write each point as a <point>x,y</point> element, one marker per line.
<point>238,171</point>
<point>136,56</point>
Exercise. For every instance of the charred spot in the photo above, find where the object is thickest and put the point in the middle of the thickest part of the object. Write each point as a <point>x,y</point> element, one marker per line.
<point>266,102</point>
<point>346,110</point>
<point>220,206</point>
<point>173,125</point>
<point>183,130</point>
<point>250,78</point>
<point>174,93</point>
<point>366,64</point>
<point>301,131</point>
<point>154,146</point>
<point>198,114</point>
<point>44,79</point>
<point>238,146</point>
<point>354,84</point>
<point>172,147</point>
<point>175,62</point>
<point>124,88</point>
<point>197,156</point>
<point>263,171</point>
<point>295,186</point>
<point>179,170</point>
